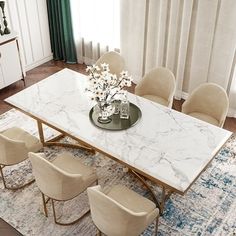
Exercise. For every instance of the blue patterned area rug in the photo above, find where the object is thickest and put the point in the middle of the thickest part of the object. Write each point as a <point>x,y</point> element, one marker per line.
<point>208,208</point>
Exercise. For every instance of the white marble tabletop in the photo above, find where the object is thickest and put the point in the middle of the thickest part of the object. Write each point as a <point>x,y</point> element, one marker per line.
<point>167,145</point>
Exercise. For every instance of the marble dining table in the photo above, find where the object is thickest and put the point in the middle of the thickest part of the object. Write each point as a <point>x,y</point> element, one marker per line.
<point>166,146</point>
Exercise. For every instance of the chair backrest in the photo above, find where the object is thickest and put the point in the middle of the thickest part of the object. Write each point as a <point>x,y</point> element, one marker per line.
<point>115,60</point>
<point>210,99</point>
<point>160,82</point>
<point>111,217</point>
<point>12,151</point>
<point>52,181</point>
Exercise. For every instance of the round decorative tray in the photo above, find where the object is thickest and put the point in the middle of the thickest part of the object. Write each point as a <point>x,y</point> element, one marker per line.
<point>116,122</point>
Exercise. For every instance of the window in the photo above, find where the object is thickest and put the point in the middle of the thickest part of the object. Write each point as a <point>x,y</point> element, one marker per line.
<point>97,21</point>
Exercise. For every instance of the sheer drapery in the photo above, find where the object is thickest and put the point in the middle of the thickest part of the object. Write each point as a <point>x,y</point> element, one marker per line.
<point>232,91</point>
<point>194,39</point>
<point>96,27</point>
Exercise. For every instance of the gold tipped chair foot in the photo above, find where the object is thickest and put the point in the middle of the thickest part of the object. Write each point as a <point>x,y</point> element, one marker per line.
<point>62,179</point>
<point>15,143</point>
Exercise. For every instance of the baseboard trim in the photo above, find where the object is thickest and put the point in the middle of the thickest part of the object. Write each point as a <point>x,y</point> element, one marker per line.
<point>180,95</point>
<point>184,95</point>
<point>231,113</point>
<point>38,63</point>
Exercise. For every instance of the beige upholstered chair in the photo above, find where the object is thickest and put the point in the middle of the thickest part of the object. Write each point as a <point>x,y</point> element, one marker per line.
<point>15,144</point>
<point>158,85</point>
<point>121,212</point>
<point>115,60</point>
<point>62,179</point>
<point>208,102</point>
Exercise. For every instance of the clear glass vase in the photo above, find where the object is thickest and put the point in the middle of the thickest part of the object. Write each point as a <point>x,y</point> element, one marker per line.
<point>105,110</point>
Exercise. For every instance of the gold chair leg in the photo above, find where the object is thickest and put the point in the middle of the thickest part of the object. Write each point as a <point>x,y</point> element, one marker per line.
<point>99,232</point>
<point>144,182</point>
<point>13,188</point>
<point>4,183</point>
<point>69,223</point>
<point>45,205</point>
<point>156,227</point>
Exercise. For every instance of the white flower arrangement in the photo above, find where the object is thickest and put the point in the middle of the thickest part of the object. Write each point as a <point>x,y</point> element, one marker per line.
<point>104,86</point>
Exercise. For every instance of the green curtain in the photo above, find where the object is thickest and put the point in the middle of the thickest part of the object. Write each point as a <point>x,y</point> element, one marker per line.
<point>61,31</point>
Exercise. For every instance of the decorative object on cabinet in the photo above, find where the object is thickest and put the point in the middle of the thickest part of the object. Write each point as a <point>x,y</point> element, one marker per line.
<point>11,66</point>
<point>6,29</point>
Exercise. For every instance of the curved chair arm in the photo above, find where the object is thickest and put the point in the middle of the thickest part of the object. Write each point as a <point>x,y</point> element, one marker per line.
<point>12,151</point>
<point>72,185</point>
<point>159,82</point>
<point>224,115</point>
<point>140,88</point>
<point>105,211</point>
<point>186,108</point>
<point>115,60</point>
<point>172,93</point>
<point>126,210</point>
<point>210,99</point>
<point>53,181</point>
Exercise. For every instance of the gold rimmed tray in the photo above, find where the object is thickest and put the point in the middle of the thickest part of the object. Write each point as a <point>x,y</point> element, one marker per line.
<point>117,123</point>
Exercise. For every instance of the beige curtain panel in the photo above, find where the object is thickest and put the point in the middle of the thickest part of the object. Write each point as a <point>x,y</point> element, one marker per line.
<point>195,39</point>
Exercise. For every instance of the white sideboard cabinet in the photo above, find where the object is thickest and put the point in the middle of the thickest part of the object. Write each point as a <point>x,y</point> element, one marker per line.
<point>11,68</point>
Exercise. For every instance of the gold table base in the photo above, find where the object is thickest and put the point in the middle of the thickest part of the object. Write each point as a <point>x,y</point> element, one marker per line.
<point>164,196</point>
<point>54,141</point>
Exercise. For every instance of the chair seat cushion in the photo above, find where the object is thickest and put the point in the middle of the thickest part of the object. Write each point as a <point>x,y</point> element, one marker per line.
<point>204,117</point>
<point>131,199</point>
<point>156,99</point>
<point>32,143</point>
<point>69,164</point>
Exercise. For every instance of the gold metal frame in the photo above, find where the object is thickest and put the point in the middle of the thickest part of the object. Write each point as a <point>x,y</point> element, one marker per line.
<point>13,188</point>
<point>93,149</point>
<point>45,201</point>
<point>164,195</point>
<point>54,141</point>
<point>144,182</point>
<point>167,190</point>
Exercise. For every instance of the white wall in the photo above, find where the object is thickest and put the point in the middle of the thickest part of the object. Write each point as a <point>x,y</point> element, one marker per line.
<point>29,18</point>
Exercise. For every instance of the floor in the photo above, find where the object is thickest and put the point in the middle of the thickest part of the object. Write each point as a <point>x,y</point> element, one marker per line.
<point>8,230</point>
<point>51,67</point>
